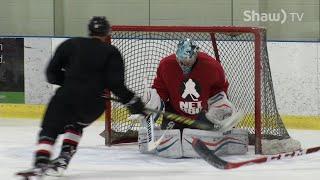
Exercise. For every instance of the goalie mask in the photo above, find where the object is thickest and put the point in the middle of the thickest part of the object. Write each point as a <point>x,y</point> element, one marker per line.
<point>186,54</point>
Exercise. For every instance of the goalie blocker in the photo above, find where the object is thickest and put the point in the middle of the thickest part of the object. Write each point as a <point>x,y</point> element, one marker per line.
<point>173,145</point>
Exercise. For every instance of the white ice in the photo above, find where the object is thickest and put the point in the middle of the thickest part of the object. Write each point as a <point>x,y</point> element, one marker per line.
<point>94,161</point>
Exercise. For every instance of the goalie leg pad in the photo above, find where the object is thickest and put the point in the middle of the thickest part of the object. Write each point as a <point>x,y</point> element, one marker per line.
<point>170,146</point>
<point>238,141</point>
<point>229,143</point>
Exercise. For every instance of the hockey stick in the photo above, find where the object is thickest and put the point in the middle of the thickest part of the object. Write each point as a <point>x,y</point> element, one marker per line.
<point>211,158</point>
<point>203,125</point>
<point>149,124</point>
<point>148,121</point>
<point>154,145</point>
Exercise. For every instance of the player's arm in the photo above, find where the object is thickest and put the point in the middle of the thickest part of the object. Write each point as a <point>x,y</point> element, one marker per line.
<point>115,76</point>
<point>55,71</point>
<point>116,83</point>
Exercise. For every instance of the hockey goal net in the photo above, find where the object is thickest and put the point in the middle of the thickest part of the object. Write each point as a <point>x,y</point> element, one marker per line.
<point>242,52</point>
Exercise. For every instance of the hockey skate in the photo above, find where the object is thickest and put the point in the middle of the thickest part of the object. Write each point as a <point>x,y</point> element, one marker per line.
<point>58,166</point>
<point>34,173</point>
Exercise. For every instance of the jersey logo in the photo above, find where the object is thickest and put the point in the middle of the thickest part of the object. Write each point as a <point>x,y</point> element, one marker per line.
<point>190,94</point>
<point>190,89</point>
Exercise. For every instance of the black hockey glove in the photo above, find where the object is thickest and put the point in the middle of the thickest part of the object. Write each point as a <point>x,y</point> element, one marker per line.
<point>135,105</point>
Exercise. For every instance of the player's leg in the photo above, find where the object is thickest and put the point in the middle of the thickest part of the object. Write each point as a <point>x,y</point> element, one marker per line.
<point>52,125</point>
<point>83,117</point>
<point>71,138</point>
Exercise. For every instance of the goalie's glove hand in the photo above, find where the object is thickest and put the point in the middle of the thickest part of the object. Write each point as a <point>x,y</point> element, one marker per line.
<point>219,108</point>
<point>219,114</point>
<point>135,105</point>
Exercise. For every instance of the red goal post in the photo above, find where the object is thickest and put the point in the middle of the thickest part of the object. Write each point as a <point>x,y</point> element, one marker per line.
<point>242,52</point>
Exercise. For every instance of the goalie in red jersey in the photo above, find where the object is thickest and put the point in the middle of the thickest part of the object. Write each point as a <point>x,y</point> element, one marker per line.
<point>193,84</point>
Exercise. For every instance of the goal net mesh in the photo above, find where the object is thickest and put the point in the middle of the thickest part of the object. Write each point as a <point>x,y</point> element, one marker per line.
<point>240,50</point>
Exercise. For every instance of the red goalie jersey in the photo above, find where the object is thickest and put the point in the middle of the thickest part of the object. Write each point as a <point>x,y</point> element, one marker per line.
<point>188,93</point>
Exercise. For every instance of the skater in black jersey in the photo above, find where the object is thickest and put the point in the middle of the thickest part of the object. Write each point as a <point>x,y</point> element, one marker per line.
<point>83,68</point>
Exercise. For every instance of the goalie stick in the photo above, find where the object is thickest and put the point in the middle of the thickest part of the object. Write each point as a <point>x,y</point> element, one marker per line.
<point>154,145</point>
<point>211,158</point>
<point>149,124</point>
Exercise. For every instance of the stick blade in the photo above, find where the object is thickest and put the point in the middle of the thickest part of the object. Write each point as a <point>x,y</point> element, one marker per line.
<point>206,154</point>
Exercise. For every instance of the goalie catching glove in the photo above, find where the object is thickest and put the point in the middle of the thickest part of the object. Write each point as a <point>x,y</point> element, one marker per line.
<point>221,112</point>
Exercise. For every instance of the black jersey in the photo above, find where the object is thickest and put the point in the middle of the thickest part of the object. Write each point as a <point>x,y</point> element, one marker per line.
<point>87,66</point>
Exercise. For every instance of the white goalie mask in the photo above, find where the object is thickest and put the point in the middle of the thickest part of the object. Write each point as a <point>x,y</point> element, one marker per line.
<point>186,54</point>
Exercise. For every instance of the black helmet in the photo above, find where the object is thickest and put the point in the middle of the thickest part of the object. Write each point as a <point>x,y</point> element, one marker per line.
<point>98,26</point>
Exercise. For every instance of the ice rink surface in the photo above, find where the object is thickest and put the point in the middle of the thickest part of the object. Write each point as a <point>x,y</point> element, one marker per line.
<point>94,161</point>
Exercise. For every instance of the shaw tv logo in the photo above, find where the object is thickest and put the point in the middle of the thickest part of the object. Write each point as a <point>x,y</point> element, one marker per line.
<point>281,16</point>
<point>190,94</point>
